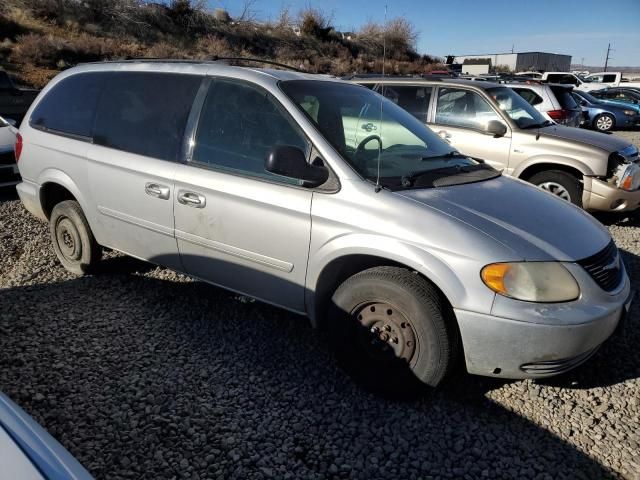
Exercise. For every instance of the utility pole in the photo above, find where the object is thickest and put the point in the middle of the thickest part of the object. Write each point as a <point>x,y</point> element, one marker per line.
<point>606,62</point>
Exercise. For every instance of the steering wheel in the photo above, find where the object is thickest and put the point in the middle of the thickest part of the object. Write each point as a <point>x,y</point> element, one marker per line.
<point>362,162</point>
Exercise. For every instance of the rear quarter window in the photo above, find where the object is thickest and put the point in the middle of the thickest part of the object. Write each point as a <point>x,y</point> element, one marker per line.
<point>145,112</point>
<point>69,107</point>
<point>565,98</point>
<point>530,96</point>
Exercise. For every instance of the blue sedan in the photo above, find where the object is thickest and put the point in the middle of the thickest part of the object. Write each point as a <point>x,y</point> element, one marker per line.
<point>28,452</point>
<point>603,115</point>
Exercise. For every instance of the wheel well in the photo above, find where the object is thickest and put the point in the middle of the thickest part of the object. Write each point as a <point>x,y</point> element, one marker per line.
<point>51,194</point>
<point>337,271</point>
<point>541,167</point>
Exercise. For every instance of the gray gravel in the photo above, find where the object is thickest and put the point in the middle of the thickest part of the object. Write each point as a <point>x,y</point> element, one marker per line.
<point>142,373</point>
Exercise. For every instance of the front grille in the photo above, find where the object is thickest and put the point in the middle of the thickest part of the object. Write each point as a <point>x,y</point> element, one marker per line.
<point>605,267</point>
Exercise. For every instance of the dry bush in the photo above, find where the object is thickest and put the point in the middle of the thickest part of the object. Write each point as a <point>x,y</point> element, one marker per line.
<point>164,50</point>
<point>213,46</point>
<point>315,23</point>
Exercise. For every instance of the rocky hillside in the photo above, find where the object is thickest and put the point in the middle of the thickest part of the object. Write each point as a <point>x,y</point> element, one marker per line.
<point>38,38</point>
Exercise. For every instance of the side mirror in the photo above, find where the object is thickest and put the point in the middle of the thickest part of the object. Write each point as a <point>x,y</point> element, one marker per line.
<point>290,162</point>
<point>496,128</point>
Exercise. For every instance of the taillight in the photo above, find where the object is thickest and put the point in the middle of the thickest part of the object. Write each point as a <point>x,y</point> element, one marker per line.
<point>559,115</point>
<point>17,148</point>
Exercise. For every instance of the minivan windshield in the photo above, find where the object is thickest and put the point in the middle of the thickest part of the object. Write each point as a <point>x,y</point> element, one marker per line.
<point>517,108</point>
<point>364,126</point>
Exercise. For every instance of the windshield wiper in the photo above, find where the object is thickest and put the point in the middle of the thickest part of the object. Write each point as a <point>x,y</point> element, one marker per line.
<point>448,155</point>
<point>546,123</point>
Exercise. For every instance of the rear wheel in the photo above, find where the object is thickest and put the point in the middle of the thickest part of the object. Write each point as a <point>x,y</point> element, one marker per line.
<point>604,122</point>
<point>73,241</point>
<point>392,331</point>
<point>561,184</point>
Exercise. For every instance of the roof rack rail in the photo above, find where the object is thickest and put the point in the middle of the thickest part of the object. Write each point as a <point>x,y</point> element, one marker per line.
<point>375,76</point>
<point>214,58</point>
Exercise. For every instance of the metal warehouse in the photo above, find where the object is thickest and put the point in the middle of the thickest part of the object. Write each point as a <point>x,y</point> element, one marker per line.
<point>524,61</point>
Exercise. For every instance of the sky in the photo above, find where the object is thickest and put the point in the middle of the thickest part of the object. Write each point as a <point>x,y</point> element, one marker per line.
<point>580,28</point>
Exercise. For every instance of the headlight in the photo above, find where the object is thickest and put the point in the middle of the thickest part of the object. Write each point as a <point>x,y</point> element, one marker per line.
<point>628,175</point>
<point>631,113</point>
<point>531,281</point>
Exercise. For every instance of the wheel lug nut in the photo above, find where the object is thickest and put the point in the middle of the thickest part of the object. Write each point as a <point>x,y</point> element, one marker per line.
<point>387,328</point>
<point>394,339</point>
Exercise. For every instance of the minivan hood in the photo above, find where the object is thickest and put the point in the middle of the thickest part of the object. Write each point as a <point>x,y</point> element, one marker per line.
<point>609,143</point>
<point>534,224</point>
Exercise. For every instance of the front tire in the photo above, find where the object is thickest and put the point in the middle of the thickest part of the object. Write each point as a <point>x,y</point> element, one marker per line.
<point>604,122</point>
<point>562,184</point>
<point>392,331</point>
<point>73,241</point>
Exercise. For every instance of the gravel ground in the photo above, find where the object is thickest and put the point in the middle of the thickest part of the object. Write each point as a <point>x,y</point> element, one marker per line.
<point>142,373</point>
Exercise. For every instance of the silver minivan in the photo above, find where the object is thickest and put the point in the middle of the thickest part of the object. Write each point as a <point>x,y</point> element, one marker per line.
<point>324,198</point>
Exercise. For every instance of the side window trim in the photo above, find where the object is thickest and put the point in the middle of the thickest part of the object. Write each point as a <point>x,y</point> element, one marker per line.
<point>188,142</point>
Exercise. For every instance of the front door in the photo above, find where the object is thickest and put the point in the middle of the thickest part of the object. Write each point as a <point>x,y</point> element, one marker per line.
<point>461,117</point>
<point>237,225</point>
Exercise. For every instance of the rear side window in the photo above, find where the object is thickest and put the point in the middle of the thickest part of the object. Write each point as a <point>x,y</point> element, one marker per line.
<point>564,97</point>
<point>69,107</point>
<point>530,96</point>
<point>413,99</point>
<point>145,112</point>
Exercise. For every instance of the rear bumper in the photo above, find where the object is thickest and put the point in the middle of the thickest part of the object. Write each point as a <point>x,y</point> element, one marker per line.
<point>30,198</point>
<point>602,196</point>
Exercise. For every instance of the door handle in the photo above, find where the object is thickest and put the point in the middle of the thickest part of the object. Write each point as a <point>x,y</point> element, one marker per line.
<point>157,190</point>
<point>191,199</point>
<point>369,127</point>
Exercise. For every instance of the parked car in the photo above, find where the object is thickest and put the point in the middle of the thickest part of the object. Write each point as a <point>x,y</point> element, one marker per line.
<point>28,452</point>
<point>603,115</point>
<point>554,101</point>
<point>491,122</point>
<point>8,168</point>
<point>14,100</point>
<point>594,81</point>
<point>626,96</point>
<point>322,197</point>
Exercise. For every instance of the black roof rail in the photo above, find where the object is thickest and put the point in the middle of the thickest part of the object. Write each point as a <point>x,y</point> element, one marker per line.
<point>213,59</point>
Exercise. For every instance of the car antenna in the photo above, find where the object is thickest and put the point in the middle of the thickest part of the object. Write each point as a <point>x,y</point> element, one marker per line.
<point>384,56</point>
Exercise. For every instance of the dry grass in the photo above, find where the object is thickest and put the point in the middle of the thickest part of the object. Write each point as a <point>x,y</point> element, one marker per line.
<point>40,37</point>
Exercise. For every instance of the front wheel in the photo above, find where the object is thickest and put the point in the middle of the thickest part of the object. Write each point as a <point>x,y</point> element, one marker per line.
<point>392,331</point>
<point>604,122</point>
<point>562,184</point>
<point>73,241</point>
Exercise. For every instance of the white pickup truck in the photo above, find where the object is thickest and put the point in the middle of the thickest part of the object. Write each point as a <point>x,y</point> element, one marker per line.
<point>594,81</point>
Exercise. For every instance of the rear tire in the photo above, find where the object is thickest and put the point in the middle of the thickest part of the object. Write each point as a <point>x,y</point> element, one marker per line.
<point>562,184</point>
<point>604,122</point>
<point>392,331</point>
<point>72,239</point>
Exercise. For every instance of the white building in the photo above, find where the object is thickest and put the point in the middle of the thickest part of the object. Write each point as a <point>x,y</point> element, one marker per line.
<point>523,61</point>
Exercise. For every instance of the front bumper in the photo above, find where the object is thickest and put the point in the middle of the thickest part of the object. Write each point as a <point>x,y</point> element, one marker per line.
<point>530,340</point>
<point>603,196</point>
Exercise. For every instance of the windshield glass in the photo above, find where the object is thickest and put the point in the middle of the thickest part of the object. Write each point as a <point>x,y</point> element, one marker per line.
<point>362,124</point>
<point>517,108</point>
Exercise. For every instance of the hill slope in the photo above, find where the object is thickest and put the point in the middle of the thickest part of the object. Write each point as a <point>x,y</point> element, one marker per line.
<point>38,38</point>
